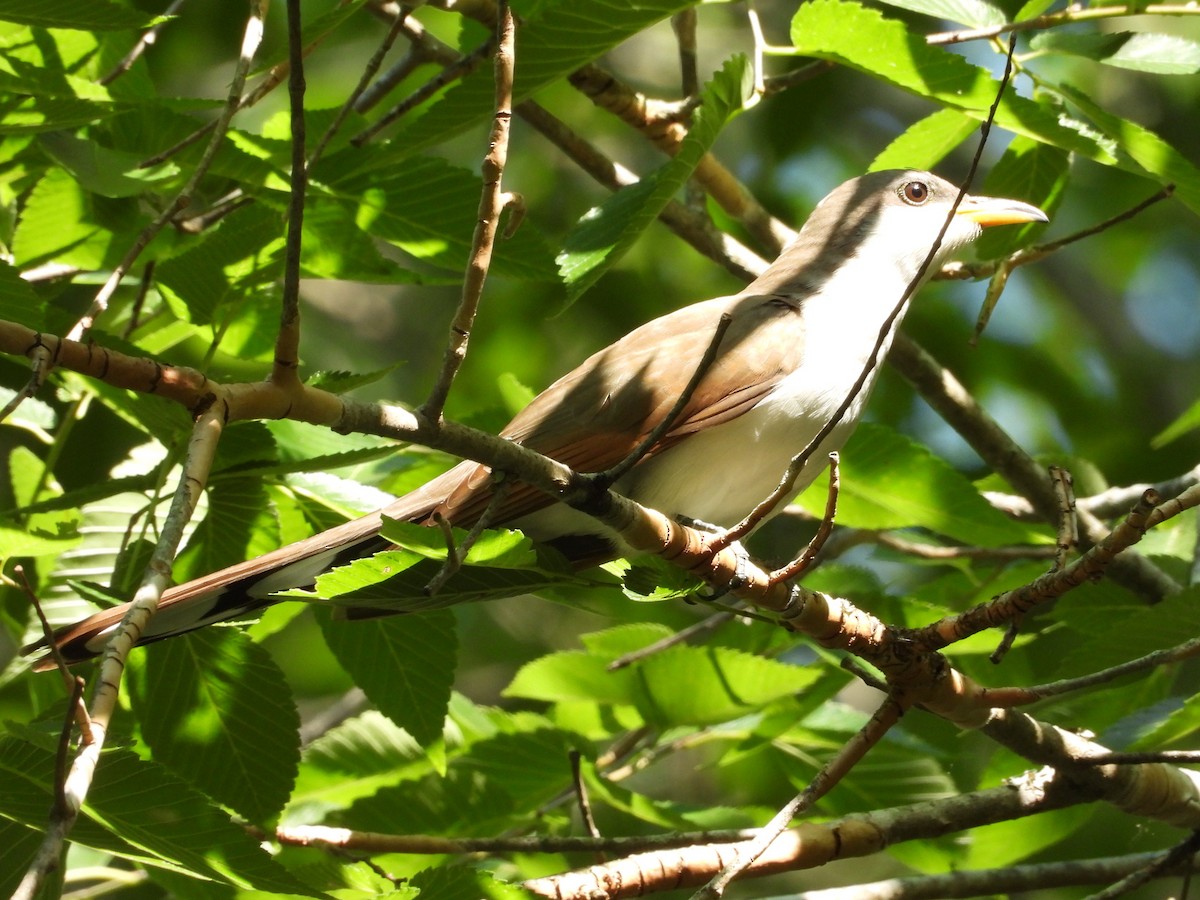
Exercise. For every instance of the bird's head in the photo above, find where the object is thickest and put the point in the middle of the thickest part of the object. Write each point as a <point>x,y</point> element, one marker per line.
<point>897,215</point>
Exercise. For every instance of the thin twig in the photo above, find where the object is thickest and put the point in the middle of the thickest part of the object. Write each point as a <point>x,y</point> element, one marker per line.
<point>804,560</point>
<point>70,682</point>
<point>664,425</point>
<point>456,555</point>
<point>491,204</point>
<point>139,302</point>
<point>284,369</point>
<point>581,798</point>
<point>148,37</point>
<point>360,89</point>
<point>41,361</point>
<point>1099,559</point>
<point>1177,855</point>
<point>1068,536</point>
<point>63,748</point>
<point>705,625</point>
<point>1018,696</point>
<point>962,412</point>
<point>459,69</point>
<point>684,25</point>
<point>848,756</point>
<point>1073,13</point>
<point>201,450</point>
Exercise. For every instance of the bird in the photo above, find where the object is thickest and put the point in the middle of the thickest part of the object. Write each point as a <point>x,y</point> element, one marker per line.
<point>798,338</point>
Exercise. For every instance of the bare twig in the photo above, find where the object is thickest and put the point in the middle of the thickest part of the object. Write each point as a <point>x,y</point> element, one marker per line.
<point>358,95</point>
<point>954,403</point>
<point>148,37</point>
<point>804,560</point>
<point>1073,13</point>
<point>491,203</point>
<point>1004,881</point>
<point>78,709</point>
<point>287,341</point>
<point>135,311</point>
<point>1068,535</point>
<point>1068,523</point>
<point>201,450</point>
<point>664,425</point>
<point>1098,559</point>
<point>41,361</point>
<point>684,25</point>
<point>705,625</point>
<point>694,227</point>
<point>1018,696</point>
<point>457,554</point>
<point>460,68</point>
<point>581,798</point>
<point>848,756</point>
<point>1177,855</point>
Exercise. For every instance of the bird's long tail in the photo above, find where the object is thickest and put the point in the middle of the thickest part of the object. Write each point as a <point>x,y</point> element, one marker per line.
<point>241,589</point>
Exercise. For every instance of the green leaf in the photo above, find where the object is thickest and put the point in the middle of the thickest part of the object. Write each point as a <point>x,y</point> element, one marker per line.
<point>404,664</point>
<point>1030,171</point>
<point>63,223</point>
<point>224,263</point>
<point>38,114</point>
<point>1162,54</point>
<point>18,302</point>
<point>573,675</point>
<point>237,527</point>
<point>445,883</point>
<point>216,709</point>
<point>109,173</point>
<point>497,547</point>
<point>889,481</point>
<point>555,41</point>
<point>98,15</point>
<point>1149,152</point>
<point>973,13</point>
<point>500,564</point>
<point>1188,421</point>
<point>427,208</point>
<point>354,760</point>
<point>1121,636</point>
<point>138,810</point>
<point>530,766</point>
<point>335,248</point>
<point>863,39</point>
<point>706,685</point>
<point>603,235</point>
<point>20,844</point>
<point>926,143</point>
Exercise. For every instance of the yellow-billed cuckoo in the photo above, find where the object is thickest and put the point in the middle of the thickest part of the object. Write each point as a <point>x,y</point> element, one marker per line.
<point>800,336</point>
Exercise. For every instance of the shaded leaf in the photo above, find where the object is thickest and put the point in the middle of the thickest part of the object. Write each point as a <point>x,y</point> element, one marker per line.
<point>215,708</point>
<point>603,235</point>
<point>138,810</point>
<point>404,664</point>
<point>95,14</point>
<point>888,481</point>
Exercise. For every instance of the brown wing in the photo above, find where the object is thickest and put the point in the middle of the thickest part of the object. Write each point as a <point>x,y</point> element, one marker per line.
<point>593,417</point>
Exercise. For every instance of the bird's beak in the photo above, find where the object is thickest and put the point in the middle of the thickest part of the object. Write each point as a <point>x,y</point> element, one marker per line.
<point>987,211</point>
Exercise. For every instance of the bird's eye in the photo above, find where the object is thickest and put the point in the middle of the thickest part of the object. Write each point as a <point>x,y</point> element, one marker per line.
<point>914,192</point>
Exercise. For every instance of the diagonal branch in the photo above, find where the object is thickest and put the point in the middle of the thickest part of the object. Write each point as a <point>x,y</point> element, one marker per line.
<point>491,205</point>
<point>73,791</point>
